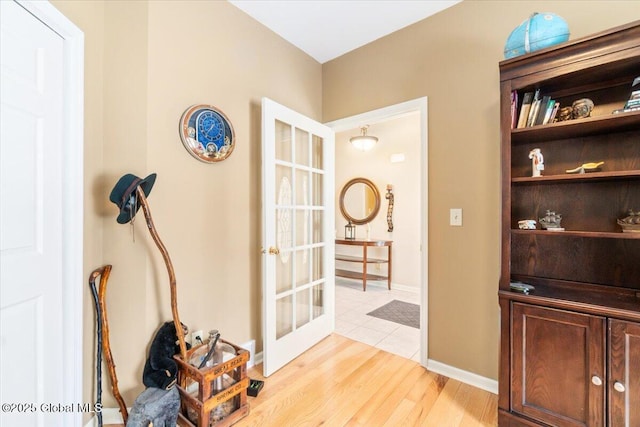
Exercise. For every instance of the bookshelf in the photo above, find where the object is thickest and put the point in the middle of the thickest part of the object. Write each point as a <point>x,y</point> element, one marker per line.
<point>565,345</point>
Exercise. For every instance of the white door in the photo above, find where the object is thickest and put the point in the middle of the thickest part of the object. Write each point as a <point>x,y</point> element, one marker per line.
<point>35,381</point>
<point>298,234</point>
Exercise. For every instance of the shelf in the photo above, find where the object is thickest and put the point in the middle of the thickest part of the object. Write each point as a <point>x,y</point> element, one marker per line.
<point>358,275</point>
<point>577,128</point>
<point>587,234</point>
<point>349,258</point>
<point>623,303</point>
<point>590,176</point>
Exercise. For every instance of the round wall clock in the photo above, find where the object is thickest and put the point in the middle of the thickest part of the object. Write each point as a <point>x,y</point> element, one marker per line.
<point>207,133</point>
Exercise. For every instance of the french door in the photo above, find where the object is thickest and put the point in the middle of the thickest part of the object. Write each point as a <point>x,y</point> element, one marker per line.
<point>298,234</point>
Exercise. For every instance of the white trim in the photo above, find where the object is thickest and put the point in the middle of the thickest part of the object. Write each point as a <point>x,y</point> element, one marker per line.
<point>383,285</point>
<point>393,112</point>
<point>466,377</point>
<point>72,203</point>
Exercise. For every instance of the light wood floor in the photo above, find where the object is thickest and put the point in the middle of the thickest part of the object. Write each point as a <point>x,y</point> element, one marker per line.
<point>340,382</point>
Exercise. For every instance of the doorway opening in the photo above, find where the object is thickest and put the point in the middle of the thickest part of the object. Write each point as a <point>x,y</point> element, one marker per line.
<point>404,146</point>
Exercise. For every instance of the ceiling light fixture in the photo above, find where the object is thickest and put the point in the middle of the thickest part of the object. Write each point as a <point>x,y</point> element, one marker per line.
<point>364,142</point>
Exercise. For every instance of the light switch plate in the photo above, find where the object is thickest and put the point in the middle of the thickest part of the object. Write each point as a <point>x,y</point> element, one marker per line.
<point>455,217</point>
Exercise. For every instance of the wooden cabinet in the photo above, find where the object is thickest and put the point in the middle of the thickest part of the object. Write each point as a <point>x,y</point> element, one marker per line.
<point>558,354</point>
<point>580,326</point>
<point>624,373</point>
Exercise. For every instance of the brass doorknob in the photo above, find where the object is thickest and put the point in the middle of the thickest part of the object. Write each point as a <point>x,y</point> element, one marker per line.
<point>273,251</point>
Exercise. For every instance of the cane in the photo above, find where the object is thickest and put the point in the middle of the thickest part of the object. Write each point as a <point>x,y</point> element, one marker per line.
<point>106,345</point>
<point>92,283</point>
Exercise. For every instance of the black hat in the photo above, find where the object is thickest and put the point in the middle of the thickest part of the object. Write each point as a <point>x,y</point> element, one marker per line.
<point>124,195</point>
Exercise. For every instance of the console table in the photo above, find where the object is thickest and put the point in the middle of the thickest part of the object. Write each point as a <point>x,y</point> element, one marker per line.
<point>364,260</point>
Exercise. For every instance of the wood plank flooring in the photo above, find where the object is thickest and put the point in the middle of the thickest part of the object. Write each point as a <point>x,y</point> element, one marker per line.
<point>340,382</point>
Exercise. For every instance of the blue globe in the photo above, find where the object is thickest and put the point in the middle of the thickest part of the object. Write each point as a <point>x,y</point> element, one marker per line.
<point>541,30</point>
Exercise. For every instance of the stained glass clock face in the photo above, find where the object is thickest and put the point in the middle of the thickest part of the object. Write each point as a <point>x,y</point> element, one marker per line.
<point>206,133</point>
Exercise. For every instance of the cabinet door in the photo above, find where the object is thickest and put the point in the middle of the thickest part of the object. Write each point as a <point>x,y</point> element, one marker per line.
<point>624,374</point>
<point>558,370</point>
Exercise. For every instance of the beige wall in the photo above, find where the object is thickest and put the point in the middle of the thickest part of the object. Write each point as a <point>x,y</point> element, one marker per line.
<point>452,58</point>
<point>400,135</point>
<point>146,62</point>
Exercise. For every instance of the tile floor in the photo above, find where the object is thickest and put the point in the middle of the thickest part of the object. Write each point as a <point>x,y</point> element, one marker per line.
<point>352,306</point>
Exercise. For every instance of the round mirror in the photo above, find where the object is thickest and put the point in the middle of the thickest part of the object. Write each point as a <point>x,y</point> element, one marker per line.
<point>359,201</point>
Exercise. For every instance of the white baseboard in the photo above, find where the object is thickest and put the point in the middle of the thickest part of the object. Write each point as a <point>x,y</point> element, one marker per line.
<point>466,377</point>
<point>383,285</point>
<point>250,346</point>
<point>258,358</point>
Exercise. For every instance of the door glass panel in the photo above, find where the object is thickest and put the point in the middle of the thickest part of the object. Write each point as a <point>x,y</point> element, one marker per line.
<point>283,141</point>
<point>303,307</point>
<point>302,188</point>
<point>302,147</point>
<point>284,316</point>
<point>318,267</point>
<point>318,300</point>
<point>303,222</point>
<point>284,271</point>
<point>316,152</point>
<point>284,186</point>
<point>317,226</point>
<point>316,190</point>
<point>302,267</point>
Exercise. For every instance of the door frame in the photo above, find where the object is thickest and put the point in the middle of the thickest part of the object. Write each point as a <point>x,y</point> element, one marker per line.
<point>72,199</point>
<point>386,113</point>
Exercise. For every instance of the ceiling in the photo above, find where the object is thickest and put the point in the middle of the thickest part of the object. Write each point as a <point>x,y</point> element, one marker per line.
<point>326,29</point>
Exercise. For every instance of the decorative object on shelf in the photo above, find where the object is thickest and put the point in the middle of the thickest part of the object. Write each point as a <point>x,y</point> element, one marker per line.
<point>539,31</point>
<point>523,288</point>
<point>630,223</point>
<point>363,142</point>
<point>564,114</point>
<point>586,167</point>
<point>633,104</point>
<point>581,108</point>
<point>527,224</point>
<point>350,231</point>
<point>537,162</point>
<point>551,221</point>
<point>390,198</point>
<point>207,133</point>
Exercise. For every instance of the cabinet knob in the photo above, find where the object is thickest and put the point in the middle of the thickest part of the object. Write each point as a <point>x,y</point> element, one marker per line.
<point>596,380</point>
<point>618,386</point>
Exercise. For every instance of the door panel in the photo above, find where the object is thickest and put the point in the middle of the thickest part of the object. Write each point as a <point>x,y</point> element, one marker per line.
<point>624,374</point>
<point>552,381</point>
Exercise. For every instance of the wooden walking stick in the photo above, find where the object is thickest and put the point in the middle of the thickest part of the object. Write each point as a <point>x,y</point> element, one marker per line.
<point>106,344</point>
<point>142,200</point>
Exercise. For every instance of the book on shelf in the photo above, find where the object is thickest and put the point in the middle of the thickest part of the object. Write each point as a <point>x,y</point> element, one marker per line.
<point>542,110</point>
<point>551,107</point>
<point>514,108</point>
<point>533,111</point>
<point>524,110</point>
<point>554,112</point>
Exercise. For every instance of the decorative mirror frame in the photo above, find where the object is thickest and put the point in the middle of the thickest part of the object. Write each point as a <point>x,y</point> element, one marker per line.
<point>376,208</point>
